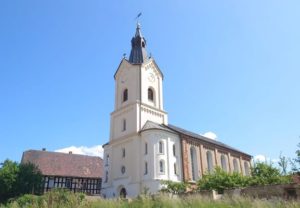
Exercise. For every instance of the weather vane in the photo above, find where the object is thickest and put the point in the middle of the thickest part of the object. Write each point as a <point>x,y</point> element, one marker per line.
<point>138,16</point>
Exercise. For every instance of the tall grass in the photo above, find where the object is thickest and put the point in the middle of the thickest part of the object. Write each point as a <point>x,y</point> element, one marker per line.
<point>65,199</point>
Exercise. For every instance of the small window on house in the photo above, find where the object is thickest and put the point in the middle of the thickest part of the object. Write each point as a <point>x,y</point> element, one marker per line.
<point>125,95</point>
<point>150,94</point>
<point>124,125</point>
<point>123,152</point>
<point>175,169</point>
<point>146,148</point>
<point>161,166</point>
<point>51,182</point>
<point>68,183</point>
<point>161,147</point>
<point>174,150</point>
<point>146,168</point>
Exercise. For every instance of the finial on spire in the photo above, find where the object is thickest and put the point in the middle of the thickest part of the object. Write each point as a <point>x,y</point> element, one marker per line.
<point>138,52</point>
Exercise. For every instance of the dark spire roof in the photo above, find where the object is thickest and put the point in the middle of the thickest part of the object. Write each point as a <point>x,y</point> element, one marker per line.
<point>138,52</point>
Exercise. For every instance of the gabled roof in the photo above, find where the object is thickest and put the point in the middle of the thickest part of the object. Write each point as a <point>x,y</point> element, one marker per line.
<point>203,138</point>
<point>149,125</point>
<point>62,164</point>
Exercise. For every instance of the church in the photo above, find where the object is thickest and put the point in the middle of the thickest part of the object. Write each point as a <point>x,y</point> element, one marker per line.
<point>143,147</point>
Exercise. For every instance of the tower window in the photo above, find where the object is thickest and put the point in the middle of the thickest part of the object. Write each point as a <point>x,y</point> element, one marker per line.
<point>125,95</point>
<point>124,125</point>
<point>146,168</point>
<point>150,94</point>
<point>123,152</point>
<point>146,148</point>
<point>175,169</point>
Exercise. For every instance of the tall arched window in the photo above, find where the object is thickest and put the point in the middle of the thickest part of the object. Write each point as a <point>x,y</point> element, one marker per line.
<point>247,170</point>
<point>161,147</point>
<point>150,94</point>
<point>146,168</point>
<point>235,166</point>
<point>161,166</point>
<point>223,163</point>
<point>175,169</point>
<point>210,165</point>
<point>194,166</point>
<point>146,148</point>
<point>174,150</point>
<point>125,95</point>
<point>124,125</point>
<point>106,176</point>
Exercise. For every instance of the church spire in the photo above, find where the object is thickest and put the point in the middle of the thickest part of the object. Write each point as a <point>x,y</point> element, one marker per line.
<point>138,52</point>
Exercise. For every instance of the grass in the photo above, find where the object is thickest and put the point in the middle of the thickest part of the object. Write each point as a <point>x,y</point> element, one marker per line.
<point>65,199</point>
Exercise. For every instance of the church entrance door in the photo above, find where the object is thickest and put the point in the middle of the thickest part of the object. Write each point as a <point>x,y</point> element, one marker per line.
<point>123,193</point>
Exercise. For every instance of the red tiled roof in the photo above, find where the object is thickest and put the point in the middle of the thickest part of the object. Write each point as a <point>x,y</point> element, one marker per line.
<point>62,164</point>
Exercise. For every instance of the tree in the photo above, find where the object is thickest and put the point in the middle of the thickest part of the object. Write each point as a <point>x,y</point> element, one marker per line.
<point>174,187</point>
<point>283,164</point>
<point>220,180</point>
<point>8,178</point>
<point>296,161</point>
<point>29,179</point>
<point>17,179</point>
<point>263,174</point>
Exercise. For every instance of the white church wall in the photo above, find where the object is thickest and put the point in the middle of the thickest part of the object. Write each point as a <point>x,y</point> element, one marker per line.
<point>153,158</point>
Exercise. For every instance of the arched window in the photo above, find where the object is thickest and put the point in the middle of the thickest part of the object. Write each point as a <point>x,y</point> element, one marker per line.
<point>161,166</point>
<point>150,94</point>
<point>209,158</point>
<point>146,148</point>
<point>223,163</point>
<point>106,176</point>
<point>235,166</point>
<point>125,95</point>
<point>107,160</point>
<point>174,150</point>
<point>124,125</point>
<point>123,152</point>
<point>246,166</point>
<point>175,169</point>
<point>161,147</point>
<point>146,168</point>
<point>194,166</point>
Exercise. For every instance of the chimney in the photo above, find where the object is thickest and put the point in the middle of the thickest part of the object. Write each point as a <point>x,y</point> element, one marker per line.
<point>70,152</point>
<point>44,149</point>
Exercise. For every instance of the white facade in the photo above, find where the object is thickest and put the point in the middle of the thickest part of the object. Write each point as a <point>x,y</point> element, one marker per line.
<point>134,161</point>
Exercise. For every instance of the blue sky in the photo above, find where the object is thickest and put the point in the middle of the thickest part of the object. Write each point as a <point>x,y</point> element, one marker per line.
<point>230,67</point>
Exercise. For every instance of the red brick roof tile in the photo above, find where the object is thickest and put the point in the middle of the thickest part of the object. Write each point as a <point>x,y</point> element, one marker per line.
<point>62,164</point>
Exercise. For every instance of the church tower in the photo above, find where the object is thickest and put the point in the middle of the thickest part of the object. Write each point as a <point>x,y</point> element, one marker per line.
<point>138,91</point>
<point>137,155</point>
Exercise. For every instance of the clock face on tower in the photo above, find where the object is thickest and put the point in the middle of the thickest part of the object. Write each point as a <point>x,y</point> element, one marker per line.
<point>151,77</point>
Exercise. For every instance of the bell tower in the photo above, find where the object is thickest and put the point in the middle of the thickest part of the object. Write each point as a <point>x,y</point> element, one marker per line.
<point>138,91</point>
